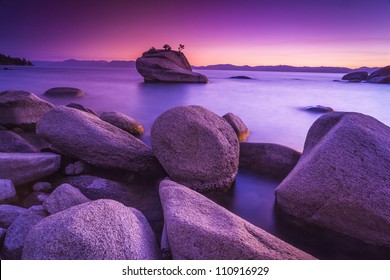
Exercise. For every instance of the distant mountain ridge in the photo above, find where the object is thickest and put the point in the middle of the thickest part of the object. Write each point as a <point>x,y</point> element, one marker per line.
<point>87,63</point>
<point>131,64</point>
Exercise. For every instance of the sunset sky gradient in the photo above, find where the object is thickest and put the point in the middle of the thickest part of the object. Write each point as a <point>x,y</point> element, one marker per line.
<point>349,33</point>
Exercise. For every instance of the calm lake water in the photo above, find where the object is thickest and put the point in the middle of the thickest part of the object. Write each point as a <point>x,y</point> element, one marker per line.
<point>271,104</point>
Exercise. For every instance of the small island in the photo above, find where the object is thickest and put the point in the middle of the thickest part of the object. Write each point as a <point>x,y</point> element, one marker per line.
<point>166,65</point>
<point>8,60</point>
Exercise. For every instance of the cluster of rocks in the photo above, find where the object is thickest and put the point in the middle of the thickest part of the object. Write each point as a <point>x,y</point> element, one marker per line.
<point>380,76</point>
<point>51,209</point>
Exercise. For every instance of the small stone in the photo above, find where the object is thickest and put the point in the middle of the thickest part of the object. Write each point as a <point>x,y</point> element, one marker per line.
<point>42,187</point>
<point>8,213</point>
<point>238,125</point>
<point>75,168</point>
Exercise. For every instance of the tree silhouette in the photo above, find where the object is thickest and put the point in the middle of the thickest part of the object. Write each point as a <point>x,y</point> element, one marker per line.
<point>167,47</point>
<point>181,47</point>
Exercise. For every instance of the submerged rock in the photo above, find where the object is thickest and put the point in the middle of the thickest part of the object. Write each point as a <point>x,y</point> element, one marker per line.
<point>167,66</point>
<point>21,109</point>
<point>88,138</point>
<point>356,76</point>
<point>98,230</point>
<point>241,77</point>
<point>238,125</point>
<point>196,147</point>
<point>319,109</point>
<point>23,168</point>
<point>198,228</point>
<point>64,92</point>
<point>75,168</point>
<point>123,122</point>
<point>342,180</point>
<point>268,159</point>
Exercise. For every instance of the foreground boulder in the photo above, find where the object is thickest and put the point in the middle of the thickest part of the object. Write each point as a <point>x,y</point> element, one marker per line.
<point>268,159</point>
<point>64,92</point>
<point>123,122</point>
<point>198,228</point>
<point>16,234</point>
<point>196,147</point>
<point>167,66</point>
<point>21,109</point>
<point>356,76</point>
<point>11,142</point>
<point>342,180</point>
<point>98,230</point>
<point>23,168</point>
<point>380,76</point>
<point>142,197</point>
<point>86,137</point>
<point>63,197</point>
<point>238,125</point>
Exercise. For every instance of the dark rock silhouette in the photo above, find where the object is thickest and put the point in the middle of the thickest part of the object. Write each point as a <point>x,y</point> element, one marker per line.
<point>167,66</point>
<point>357,76</point>
<point>380,76</point>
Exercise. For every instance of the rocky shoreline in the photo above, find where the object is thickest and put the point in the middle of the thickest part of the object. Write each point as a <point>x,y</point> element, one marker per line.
<point>57,200</point>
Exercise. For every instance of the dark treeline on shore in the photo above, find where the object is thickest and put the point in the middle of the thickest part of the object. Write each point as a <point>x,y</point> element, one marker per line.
<point>8,60</point>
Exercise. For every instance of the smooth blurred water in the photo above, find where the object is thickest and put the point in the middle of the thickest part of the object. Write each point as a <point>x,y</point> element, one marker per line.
<point>271,104</point>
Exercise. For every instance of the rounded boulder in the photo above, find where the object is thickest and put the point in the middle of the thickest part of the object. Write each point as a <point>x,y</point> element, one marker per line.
<point>196,147</point>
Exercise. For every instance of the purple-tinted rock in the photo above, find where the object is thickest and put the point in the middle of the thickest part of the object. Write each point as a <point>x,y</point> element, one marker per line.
<point>81,108</point>
<point>88,138</point>
<point>342,180</point>
<point>123,122</point>
<point>268,159</point>
<point>99,230</point>
<point>21,109</point>
<point>64,92</point>
<point>196,147</point>
<point>356,76</point>
<point>11,142</point>
<point>8,213</point>
<point>7,191</point>
<point>238,125</point>
<point>42,187</point>
<point>63,197</point>
<point>381,76</point>
<point>17,232</point>
<point>75,168</point>
<point>167,66</point>
<point>34,199</point>
<point>198,228</point>
<point>23,168</point>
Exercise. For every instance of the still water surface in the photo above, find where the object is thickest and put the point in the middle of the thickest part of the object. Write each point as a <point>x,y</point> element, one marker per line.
<point>271,104</point>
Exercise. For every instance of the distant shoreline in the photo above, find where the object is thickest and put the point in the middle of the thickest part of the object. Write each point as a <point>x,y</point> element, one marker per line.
<point>131,64</point>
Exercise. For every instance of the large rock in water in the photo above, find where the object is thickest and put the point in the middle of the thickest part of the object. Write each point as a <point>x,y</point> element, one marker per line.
<point>64,92</point>
<point>268,159</point>
<point>23,168</point>
<point>197,228</point>
<point>86,137</point>
<point>102,229</point>
<point>167,66</point>
<point>356,76</point>
<point>342,181</point>
<point>380,76</point>
<point>21,109</point>
<point>196,147</point>
<point>238,125</point>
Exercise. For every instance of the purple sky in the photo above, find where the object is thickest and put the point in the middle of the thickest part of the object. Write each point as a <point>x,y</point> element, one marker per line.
<point>254,32</point>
